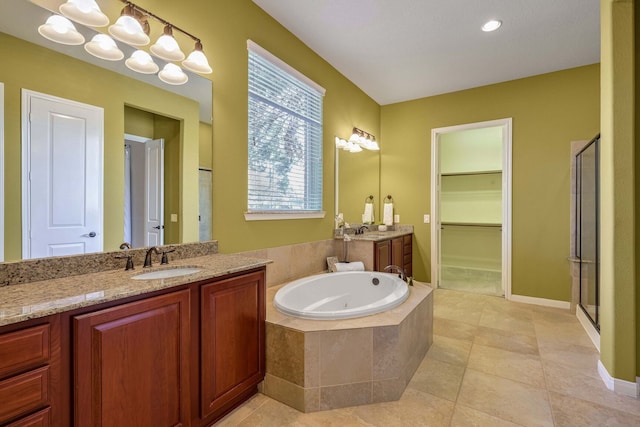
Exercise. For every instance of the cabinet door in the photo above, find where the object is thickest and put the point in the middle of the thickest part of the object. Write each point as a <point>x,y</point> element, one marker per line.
<point>382,255</point>
<point>131,364</point>
<point>232,346</point>
<point>396,252</point>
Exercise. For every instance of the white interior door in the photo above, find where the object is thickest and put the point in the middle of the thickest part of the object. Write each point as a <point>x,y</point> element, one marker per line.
<point>154,195</point>
<point>62,176</point>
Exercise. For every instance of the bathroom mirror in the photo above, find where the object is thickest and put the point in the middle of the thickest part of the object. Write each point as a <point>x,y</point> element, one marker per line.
<point>357,176</point>
<point>29,62</point>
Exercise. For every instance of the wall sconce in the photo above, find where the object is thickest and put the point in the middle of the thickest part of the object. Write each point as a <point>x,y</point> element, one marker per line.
<point>132,28</point>
<point>358,140</point>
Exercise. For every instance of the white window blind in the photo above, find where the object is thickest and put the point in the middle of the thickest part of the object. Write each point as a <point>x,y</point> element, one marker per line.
<point>285,137</point>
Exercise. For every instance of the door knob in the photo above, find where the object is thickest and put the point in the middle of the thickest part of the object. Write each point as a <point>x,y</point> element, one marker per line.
<point>159,227</point>
<point>91,234</point>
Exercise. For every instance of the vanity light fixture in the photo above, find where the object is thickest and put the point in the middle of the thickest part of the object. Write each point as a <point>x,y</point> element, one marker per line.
<point>347,145</point>
<point>167,47</point>
<point>85,12</point>
<point>141,62</point>
<point>131,28</point>
<point>102,46</point>
<point>491,25</point>
<point>173,75</point>
<point>60,30</point>
<point>364,139</point>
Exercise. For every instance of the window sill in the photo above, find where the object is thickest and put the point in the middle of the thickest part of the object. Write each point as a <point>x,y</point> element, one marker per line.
<point>272,216</point>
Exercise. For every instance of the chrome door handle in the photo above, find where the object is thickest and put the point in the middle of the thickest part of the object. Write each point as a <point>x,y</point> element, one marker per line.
<point>91,234</point>
<point>159,227</point>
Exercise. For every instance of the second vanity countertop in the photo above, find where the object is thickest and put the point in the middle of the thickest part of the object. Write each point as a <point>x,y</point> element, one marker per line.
<point>38,299</point>
<point>378,236</point>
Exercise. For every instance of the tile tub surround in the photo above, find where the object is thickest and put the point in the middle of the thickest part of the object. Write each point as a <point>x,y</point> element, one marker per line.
<point>482,370</point>
<point>39,299</point>
<point>317,365</point>
<point>35,270</point>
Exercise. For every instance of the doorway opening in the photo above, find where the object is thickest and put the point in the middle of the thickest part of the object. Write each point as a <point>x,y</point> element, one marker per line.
<point>471,207</point>
<point>152,157</point>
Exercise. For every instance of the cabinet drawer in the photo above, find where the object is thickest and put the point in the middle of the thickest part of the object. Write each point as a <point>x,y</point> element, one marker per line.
<point>39,419</point>
<point>24,349</point>
<point>24,393</point>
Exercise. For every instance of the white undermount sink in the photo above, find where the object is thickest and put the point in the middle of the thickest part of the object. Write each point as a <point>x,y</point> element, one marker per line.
<point>166,274</point>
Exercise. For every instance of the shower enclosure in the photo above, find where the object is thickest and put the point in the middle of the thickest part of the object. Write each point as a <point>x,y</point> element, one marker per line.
<point>587,229</point>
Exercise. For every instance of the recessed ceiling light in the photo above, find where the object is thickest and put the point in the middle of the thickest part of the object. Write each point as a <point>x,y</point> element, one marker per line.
<point>491,25</point>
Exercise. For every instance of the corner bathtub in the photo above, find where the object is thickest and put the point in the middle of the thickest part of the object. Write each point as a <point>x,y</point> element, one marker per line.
<point>341,295</point>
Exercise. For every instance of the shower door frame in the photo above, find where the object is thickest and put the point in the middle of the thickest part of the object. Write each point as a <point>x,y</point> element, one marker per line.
<point>506,125</point>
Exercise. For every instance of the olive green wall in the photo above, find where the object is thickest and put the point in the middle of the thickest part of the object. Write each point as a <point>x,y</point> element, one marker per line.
<point>224,27</point>
<point>618,281</point>
<point>549,111</point>
<point>636,29</point>
<point>28,66</point>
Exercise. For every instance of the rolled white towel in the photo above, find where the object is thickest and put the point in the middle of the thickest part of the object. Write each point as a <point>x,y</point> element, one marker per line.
<point>349,266</point>
<point>388,214</point>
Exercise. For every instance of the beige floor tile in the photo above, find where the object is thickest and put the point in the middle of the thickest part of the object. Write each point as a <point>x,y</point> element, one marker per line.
<point>506,399</point>
<point>469,417</point>
<point>518,320</point>
<point>506,340</point>
<point>449,350</point>
<point>525,368</point>
<point>454,329</point>
<point>562,332</point>
<point>575,356</point>
<point>413,409</point>
<point>438,378</point>
<point>236,416</point>
<point>569,412</point>
<point>572,382</point>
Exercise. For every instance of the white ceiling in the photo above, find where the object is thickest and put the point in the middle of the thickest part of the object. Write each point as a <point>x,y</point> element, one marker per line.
<point>397,50</point>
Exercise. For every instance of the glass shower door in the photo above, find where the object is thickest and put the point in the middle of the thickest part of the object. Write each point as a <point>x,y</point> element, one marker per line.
<point>587,232</point>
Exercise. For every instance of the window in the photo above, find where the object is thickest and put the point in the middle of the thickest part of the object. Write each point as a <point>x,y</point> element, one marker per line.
<point>285,140</point>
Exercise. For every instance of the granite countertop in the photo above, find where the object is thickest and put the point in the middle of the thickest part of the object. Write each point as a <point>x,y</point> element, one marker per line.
<point>378,236</point>
<point>43,298</point>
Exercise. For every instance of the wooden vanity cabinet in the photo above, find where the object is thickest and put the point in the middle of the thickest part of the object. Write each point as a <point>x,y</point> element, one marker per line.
<point>396,251</point>
<point>30,373</point>
<point>132,363</point>
<point>232,353</point>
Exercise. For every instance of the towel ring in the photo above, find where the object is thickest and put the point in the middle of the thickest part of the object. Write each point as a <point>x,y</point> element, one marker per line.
<point>389,198</point>
<point>369,199</point>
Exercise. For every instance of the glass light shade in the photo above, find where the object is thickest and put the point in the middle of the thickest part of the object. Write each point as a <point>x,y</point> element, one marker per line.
<point>60,30</point>
<point>167,47</point>
<point>341,143</point>
<point>173,75</point>
<point>197,62</point>
<point>355,138</point>
<point>127,29</point>
<point>355,148</point>
<point>141,62</point>
<point>373,145</point>
<point>103,47</point>
<point>85,12</point>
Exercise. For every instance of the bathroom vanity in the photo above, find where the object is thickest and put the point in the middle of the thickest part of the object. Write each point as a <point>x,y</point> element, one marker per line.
<point>378,249</point>
<point>104,349</point>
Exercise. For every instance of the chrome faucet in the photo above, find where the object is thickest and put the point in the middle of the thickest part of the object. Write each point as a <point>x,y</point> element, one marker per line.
<point>402,273</point>
<point>362,229</point>
<point>147,257</point>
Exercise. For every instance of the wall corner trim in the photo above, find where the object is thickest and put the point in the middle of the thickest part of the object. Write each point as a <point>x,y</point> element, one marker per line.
<point>625,388</point>
<point>565,305</point>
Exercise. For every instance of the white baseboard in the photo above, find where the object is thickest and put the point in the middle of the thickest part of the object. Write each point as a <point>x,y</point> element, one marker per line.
<point>594,335</point>
<point>540,301</point>
<point>626,388</point>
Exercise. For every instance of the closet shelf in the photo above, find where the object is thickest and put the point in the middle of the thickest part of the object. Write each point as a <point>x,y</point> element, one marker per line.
<point>487,172</point>
<point>472,224</point>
